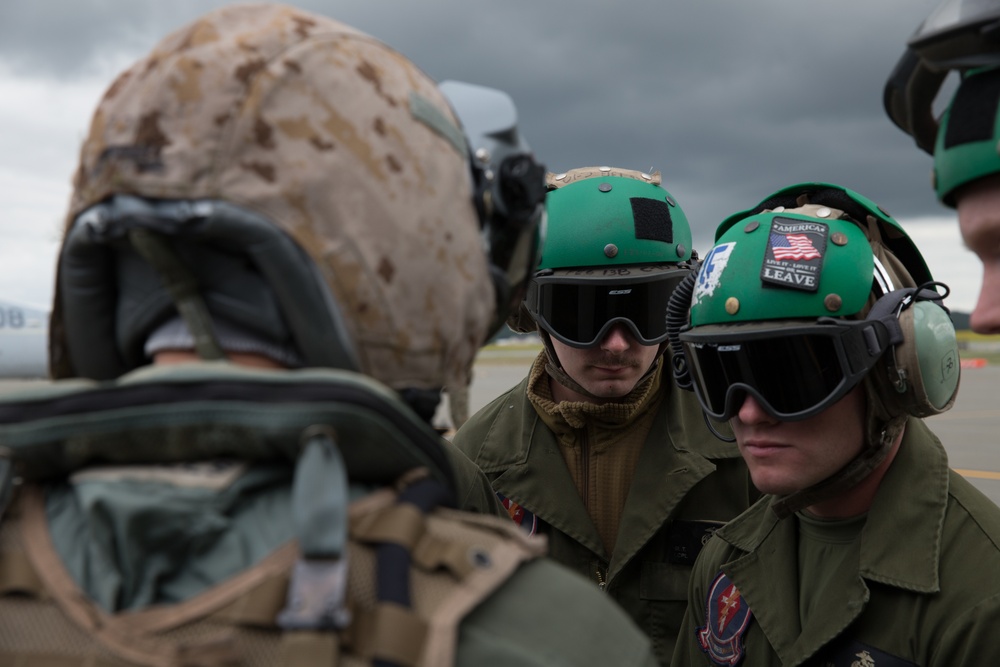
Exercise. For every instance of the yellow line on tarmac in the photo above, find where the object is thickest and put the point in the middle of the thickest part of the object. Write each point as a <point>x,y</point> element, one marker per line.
<point>978,474</point>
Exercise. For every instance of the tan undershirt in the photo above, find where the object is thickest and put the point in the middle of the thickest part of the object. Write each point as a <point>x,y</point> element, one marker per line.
<point>599,443</point>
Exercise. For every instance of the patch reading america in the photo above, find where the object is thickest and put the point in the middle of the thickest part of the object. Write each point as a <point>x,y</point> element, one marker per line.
<point>794,254</point>
<point>711,271</point>
<point>525,520</point>
<point>727,617</point>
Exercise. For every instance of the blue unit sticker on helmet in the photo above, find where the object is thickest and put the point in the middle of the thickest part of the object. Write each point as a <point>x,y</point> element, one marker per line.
<point>794,254</point>
<point>727,617</point>
<point>711,271</point>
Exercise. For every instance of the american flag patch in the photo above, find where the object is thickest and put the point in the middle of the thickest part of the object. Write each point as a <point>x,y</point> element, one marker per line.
<point>793,246</point>
<point>793,257</point>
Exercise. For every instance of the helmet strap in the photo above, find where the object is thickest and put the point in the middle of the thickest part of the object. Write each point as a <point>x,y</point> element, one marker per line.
<point>881,433</point>
<point>182,287</point>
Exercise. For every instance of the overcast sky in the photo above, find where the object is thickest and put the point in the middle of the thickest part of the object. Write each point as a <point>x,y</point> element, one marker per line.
<point>730,100</point>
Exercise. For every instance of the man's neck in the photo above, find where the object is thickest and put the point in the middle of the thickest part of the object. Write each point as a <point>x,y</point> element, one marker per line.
<point>858,499</point>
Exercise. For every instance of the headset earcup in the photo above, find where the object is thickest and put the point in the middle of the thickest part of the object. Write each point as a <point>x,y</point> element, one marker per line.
<point>929,358</point>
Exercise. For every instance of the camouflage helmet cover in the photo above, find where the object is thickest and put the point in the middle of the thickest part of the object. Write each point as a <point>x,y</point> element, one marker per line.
<point>310,123</point>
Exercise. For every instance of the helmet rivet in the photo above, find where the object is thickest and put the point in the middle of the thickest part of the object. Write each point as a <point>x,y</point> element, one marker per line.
<point>680,249</point>
<point>751,226</point>
<point>645,176</point>
<point>732,305</point>
<point>671,201</point>
<point>561,177</point>
<point>838,238</point>
<point>779,209</point>
<point>823,212</point>
<point>605,170</point>
<point>610,250</point>
<point>833,302</point>
<point>604,187</point>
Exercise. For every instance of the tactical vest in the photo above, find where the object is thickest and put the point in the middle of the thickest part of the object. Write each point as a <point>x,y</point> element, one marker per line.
<point>384,580</point>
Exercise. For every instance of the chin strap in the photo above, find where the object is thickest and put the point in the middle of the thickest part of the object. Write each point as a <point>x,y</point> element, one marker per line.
<point>183,288</point>
<point>881,433</point>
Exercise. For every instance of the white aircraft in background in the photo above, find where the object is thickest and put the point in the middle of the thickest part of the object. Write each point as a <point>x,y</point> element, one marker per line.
<point>24,341</point>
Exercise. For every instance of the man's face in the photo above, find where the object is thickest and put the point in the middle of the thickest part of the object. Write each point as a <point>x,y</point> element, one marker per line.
<point>784,457</point>
<point>979,221</point>
<point>609,369</point>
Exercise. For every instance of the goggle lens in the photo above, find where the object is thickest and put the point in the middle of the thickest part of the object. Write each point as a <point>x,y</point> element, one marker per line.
<point>793,377</point>
<point>580,313</point>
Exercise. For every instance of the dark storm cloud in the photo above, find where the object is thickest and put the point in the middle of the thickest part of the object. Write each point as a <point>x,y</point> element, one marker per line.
<point>730,100</point>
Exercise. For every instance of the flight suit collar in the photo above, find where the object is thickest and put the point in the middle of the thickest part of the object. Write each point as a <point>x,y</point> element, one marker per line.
<point>535,474</point>
<point>900,547</point>
<point>909,506</point>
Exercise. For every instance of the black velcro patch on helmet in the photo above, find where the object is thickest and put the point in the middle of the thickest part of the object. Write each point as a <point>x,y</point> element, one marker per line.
<point>974,110</point>
<point>652,219</point>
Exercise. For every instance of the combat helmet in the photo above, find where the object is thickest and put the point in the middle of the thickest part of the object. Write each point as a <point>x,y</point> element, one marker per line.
<point>959,36</point>
<point>805,296</point>
<point>292,176</point>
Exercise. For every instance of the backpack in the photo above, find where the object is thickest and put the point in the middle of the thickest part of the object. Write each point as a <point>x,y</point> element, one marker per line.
<point>384,580</point>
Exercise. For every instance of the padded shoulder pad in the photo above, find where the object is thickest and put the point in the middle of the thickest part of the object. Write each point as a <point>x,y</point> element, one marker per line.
<point>215,410</point>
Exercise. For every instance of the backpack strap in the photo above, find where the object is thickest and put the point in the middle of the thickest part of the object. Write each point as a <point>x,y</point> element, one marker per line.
<point>316,609</point>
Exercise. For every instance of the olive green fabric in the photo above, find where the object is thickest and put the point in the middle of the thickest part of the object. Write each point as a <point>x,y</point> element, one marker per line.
<point>600,443</point>
<point>684,475</point>
<point>130,540</point>
<point>925,589</point>
<point>539,618</point>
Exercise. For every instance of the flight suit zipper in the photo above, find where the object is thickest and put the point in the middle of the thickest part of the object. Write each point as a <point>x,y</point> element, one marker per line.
<point>601,577</point>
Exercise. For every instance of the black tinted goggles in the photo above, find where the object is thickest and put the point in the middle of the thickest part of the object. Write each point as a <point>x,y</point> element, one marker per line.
<point>579,310</point>
<point>793,372</point>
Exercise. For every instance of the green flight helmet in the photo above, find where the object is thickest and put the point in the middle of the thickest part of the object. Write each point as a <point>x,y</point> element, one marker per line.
<point>798,301</point>
<point>616,246</point>
<point>804,298</point>
<point>968,139</point>
<point>958,36</point>
<point>851,204</point>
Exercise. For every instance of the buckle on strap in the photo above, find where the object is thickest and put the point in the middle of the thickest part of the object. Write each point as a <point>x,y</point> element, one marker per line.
<point>317,591</point>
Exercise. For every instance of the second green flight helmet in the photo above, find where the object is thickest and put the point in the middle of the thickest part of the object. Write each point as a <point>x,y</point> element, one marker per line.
<point>617,245</point>
<point>958,36</point>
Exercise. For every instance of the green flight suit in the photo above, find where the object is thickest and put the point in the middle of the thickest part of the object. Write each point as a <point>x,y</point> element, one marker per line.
<point>922,586</point>
<point>687,483</point>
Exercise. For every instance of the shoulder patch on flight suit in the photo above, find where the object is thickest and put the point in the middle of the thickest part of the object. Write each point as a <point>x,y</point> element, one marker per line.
<point>727,617</point>
<point>527,521</point>
<point>685,539</point>
<point>858,654</point>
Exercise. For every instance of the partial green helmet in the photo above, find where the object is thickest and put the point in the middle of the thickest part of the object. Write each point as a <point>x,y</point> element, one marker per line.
<point>802,296</point>
<point>969,134</point>
<point>617,243</point>
<point>958,36</point>
<point>606,218</point>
